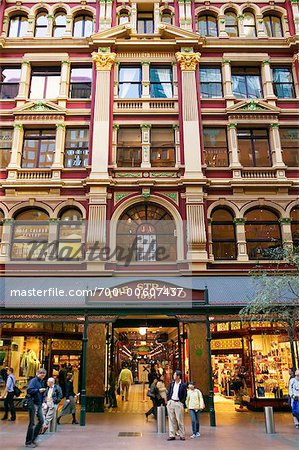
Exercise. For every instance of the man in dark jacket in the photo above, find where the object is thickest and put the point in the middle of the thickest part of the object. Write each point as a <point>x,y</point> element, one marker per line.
<point>53,395</point>
<point>177,394</point>
<point>35,390</point>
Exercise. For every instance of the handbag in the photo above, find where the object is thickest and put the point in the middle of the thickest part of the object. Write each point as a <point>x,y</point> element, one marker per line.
<point>17,391</point>
<point>27,403</point>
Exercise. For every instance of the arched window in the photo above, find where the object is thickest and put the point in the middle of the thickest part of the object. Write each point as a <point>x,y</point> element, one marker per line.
<point>207,25</point>
<point>166,17</point>
<point>273,25</point>
<point>231,24</point>
<point>123,17</point>
<point>263,235</point>
<point>59,24</point>
<point>1,224</point>
<point>30,235</point>
<point>70,235</point>
<point>223,234</point>
<point>249,25</point>
<point>41,24</point>
<point>83,26</point>
<point>295,228</point>
<point>146,232</point>
<point>18,26</point>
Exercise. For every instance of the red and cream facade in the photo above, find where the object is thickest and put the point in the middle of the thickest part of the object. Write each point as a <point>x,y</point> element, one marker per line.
<point>243,44</point>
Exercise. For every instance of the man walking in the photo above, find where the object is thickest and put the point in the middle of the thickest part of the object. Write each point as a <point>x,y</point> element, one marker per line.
<point>53,395</point>
<point>9,391</point>
<point>125,380</point>
<point>294,396</point>
<point>176,397</point>
<point>35,390</point>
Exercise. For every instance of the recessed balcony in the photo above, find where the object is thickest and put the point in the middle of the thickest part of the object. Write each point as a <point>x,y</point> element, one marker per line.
<point>145,105</point>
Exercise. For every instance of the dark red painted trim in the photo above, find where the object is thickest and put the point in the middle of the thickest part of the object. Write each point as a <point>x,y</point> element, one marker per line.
<point>176,13</point>
<point>97,24</point>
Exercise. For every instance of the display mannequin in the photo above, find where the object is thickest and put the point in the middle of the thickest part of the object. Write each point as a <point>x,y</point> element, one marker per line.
<point>30,363</point>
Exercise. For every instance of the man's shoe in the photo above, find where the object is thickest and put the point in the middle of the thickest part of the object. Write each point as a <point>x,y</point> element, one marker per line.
<point>193,436</point>
<point>31,445</point>
<point>4,418</point>
<point>182,438</point>
<point>197,434</point>
<point>12,420</point>
<point>122,397</point>
<point>75,422</point>
<point>171,439</point>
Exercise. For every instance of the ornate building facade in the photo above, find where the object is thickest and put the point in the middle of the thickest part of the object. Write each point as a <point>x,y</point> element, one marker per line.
<point>181,116</point>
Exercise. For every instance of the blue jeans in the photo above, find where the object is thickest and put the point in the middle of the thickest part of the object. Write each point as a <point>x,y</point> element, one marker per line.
<point>33,430</point>
<point>195,420</point>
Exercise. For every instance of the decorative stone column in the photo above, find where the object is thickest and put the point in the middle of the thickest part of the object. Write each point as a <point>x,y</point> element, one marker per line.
<point>52,237</point>
<point>233,146</point>
<point>145,77</point>
<point>134,17</point>
<point>196,230</point>
<point>267,82</point>
<point>6,240</point>
<point>295,67</point>
<point>188,15</point>
<point>188,61</point>
<point>114,144</point>
<point>276,146</point>
<point>51,19</point>
<point>241,239</point>
<point>286,232</point>
<point>69,25</point>
<point>156,16</point>
<point>241,25</point>
<point>24,84</point>
<point>96,228</point>
<point>31,25</point>
<point>116,78</point>
<point>104,61</point>
<point>108,14</point>
<point>182,13</point>
<point>221,26</point>
<point>64,83</point>
<point>227,81</point>
<point>17,145</point>
<point>176,130</point>
<point>59,146</point>
<point>146,145</point>
<point>260,29</point>
<point>95,367</point>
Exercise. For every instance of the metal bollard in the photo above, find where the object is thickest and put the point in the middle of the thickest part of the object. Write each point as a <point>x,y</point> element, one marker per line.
<point>269,420</point>
<point>161,420</point>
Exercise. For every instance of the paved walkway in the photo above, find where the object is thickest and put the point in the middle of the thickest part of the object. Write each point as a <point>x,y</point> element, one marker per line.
<point>234,431</point>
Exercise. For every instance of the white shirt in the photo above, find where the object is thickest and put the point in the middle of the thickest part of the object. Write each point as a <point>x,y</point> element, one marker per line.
<point>50,394</point>
<point>175,394</point>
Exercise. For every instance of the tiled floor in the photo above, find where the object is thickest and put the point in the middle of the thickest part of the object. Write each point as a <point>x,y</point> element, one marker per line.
<point>234,431</point>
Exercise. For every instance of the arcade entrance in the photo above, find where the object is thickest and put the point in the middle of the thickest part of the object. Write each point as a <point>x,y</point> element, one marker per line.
<point>146,347</point>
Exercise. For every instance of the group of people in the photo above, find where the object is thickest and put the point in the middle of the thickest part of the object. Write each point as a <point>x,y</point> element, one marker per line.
<point>42,403</point>
<point>176,398</point>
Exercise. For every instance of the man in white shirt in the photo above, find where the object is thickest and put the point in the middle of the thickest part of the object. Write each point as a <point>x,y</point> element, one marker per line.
<point>176,396</point>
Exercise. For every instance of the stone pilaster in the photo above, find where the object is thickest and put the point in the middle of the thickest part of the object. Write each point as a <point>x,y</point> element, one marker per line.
<point>260,29</point>
<point>96,228</point>
<point>134,17</point>
<point>286,232</point>
<point>145,79</point>
<point>276,146</point>
<point>51,19</point>
<point>295,67</point>
<point>6,239</point>
<point>31,25</point>
<point>221,26</point>
<point>17,145</point>
<point>267,82</point>
<point>146,146</point>
<point>104,61</point>
<point>196,229</point>
<point>59,146</point>
<point>227,82</point>
<point>233,145</point>
<point>114,144</point>
<point>108,18</point>
<point>156,16</point>
<point>64,82</point>
<point>24,84</point>
<point>241,239</point>
<point>69,26</point>
<point>188,61</point>
<point>188,15</point>
<point>176,130</point>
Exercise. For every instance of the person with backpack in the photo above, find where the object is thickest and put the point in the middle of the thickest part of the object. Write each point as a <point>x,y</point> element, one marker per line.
<point>195,404</point>
<point>10,392</point>
<point>294,397</point>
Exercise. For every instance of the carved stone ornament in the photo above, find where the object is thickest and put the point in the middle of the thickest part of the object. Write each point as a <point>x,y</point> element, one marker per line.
<point>103,61</point>
<point>188,61</point>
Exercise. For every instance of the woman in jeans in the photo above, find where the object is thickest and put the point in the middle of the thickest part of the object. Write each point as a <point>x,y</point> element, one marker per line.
<point>195,404</point>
